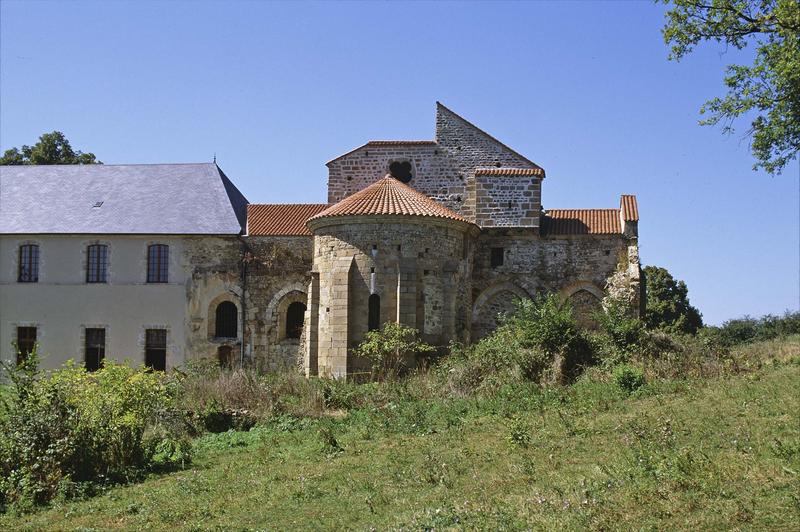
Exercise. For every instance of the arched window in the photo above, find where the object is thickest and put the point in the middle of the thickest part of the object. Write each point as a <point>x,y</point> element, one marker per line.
<point>227,320</point>
<point>295,315</point>
<point>374,321</point>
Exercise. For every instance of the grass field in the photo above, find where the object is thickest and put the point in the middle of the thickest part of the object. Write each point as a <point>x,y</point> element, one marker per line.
<point>719,453</point>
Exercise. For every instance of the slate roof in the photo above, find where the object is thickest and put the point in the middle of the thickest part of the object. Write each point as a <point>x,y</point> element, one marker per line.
<point>193,199</point>
<point>281,219</point>
<point>388,196</point>
<point>580,222</point>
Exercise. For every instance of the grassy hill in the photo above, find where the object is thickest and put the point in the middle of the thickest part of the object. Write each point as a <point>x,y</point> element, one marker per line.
<point>688,453</point>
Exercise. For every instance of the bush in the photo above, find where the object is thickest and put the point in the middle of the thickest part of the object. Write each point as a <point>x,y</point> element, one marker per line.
<point>392,349</point>
<point>747,329</point>
<point>628,378</point>
<point>623,334</point>
<point>71,428</point>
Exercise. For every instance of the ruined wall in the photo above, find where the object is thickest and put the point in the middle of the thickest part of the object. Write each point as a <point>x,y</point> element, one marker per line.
<point>532,265</point>
<point>277,275</point>
<point>443,170</point>
<point>420,268</point>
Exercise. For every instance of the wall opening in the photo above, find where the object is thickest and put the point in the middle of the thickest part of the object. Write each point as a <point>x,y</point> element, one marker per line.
<point>497,257</point>
<point>95,349</point>
<point>295,315</point>
<point>227,320</point>
<point>225,356</point>
<point>374,320</point>
<point>402,171</point>
<point>155,349</point>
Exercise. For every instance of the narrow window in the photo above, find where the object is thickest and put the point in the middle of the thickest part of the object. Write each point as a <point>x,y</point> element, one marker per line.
<point>497,257</point>
<point>158,263</point>
<point>295,315</point>
<point>28,263</point>
<point>97,263</point>
<point>374,320</point>
<point>155,349</point>
<point>227,320</point>
<point>26,341</point>
<point>95,349</point>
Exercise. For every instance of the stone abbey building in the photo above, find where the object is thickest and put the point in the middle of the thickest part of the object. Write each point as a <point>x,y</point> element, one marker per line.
<point>159,263</point>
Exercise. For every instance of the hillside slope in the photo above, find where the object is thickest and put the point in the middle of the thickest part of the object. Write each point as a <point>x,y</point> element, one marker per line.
<point>720,453</point>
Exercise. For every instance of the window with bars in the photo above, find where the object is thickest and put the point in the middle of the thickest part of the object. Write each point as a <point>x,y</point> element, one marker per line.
<point>227,317</point>
<point>97,263</point>
<point>94,349</point>
<point>26,341</point>
<point>155,349</point>
<point>28,263</point>
<point>295,315</point>
<point>158,263</point>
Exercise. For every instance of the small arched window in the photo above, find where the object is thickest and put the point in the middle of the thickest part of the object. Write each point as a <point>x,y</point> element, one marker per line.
<point>374,321</point>
<point>295,315</point>
<point>226,320</point>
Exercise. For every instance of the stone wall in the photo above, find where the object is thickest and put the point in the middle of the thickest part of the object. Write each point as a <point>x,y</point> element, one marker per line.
<point>443,170</point>
<point>419,268</point>
<point>277,274</point>
<point>507,201</point>
<point>534,265</point>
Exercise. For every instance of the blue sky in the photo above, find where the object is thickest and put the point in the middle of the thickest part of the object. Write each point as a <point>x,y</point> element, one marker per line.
<point>278,89</point>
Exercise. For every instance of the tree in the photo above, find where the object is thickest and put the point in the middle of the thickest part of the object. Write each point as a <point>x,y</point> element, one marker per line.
<point>769,88</point>
<point>52,148</point>
<point>668,304</point>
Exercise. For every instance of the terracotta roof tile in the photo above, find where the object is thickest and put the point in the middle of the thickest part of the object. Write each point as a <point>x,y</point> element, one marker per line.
<point>281,219</point>
<point>534,172</point>
<point>581,222</point>
<point>388,196</point>
<point>629,208</point>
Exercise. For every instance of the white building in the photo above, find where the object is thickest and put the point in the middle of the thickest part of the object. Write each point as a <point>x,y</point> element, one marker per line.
<point>97,261</point>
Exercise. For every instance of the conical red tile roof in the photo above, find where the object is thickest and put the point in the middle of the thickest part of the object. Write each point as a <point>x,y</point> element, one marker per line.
<point>389,196</point>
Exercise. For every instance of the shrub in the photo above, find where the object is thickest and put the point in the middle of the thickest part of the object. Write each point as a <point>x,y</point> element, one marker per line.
<point>628,378</point>
<point>69,428</point>
<point>392,349</point>
<point>519,432</point>
<point>623,334</point>
<point>747,329</point>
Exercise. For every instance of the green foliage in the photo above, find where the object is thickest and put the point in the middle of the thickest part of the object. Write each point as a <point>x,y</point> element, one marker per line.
<point>747,329</point>
<point>769,88</point>
<point>628,378</point>
<point>52,148</point>
<point>687,451</point>
<point>71,428</point>
<point>392,349</point>
<point>623,334</point>
<point>519,432</point>
<point>546,323</point>
<point>668,306</point>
